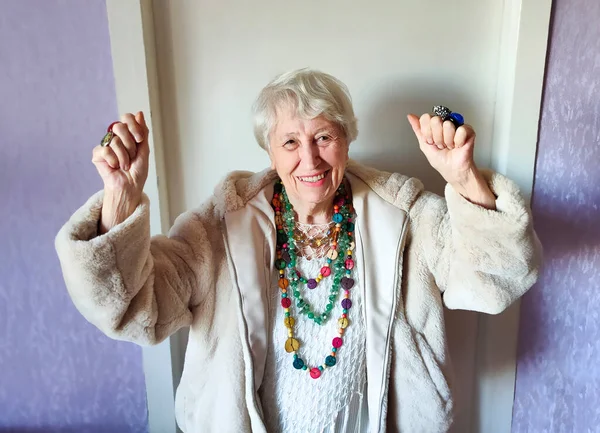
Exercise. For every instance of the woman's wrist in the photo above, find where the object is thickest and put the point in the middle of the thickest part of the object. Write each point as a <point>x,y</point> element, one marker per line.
<point>474,188</point>
<point>117,206</point>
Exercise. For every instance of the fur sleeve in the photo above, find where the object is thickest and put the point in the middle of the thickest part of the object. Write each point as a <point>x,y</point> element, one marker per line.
<point>128,285</point>
<point>481,259</point>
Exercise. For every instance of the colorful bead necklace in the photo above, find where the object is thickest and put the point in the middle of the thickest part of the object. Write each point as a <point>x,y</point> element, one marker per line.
<point>342,240</point>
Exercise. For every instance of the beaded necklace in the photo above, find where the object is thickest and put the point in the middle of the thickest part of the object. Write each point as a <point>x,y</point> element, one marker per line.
<point>342,240</point>
<point>313,240</point>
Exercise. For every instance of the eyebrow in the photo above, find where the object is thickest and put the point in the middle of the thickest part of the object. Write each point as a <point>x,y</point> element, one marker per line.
<point>329,129</point>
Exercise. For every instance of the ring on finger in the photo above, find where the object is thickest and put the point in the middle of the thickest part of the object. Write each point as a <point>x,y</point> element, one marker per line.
<point>446,114</point>
<point>109,135</point>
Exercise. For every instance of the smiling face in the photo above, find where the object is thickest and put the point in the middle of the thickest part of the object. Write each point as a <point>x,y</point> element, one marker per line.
<point>310,156</point>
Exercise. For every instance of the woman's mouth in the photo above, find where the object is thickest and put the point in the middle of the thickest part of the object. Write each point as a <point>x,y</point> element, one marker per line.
<point>314,180</point>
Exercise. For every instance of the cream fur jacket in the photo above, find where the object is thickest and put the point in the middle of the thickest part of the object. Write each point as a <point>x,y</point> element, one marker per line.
<point>212,273</point>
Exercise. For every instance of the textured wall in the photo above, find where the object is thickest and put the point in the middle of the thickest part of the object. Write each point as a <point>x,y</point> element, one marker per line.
<point>558,375</point>
<point>57,372</point>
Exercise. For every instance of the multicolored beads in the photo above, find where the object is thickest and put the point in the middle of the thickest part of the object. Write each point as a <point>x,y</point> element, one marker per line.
<point>342,240</point>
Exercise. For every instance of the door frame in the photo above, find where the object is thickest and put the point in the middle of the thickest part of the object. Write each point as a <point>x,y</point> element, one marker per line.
<point>131,30</point>
<point>523,46</point>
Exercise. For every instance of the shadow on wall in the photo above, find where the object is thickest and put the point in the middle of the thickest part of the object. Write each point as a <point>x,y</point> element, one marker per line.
<point>386,140</point>
<point>569,233</point>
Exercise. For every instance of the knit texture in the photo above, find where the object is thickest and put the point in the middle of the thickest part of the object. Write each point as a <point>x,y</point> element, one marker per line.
<point>292,400</point>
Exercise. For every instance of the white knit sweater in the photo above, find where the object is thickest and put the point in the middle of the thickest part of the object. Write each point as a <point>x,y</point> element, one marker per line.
<point>335,402</point>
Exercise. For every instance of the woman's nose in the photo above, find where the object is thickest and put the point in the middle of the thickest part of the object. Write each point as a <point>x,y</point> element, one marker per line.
<point>310,155</point>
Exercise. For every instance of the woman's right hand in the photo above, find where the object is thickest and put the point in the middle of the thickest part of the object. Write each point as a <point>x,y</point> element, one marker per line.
<point>123,167</point>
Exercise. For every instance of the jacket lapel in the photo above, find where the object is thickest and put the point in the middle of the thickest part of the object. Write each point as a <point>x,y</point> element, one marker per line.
<point>380,235</point>
<point>251,238</point>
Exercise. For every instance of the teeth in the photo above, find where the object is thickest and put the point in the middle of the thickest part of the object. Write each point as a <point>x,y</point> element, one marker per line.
<point>313,178</point>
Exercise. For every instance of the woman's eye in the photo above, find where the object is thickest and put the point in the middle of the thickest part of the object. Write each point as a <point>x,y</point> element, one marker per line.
<point>289,143</point>
<point>323,138</point>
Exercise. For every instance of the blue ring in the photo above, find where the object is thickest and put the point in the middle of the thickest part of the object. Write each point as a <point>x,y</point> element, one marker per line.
<point>457,119</point>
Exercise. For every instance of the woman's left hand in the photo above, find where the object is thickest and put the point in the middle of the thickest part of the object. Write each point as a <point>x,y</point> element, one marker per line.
<point>450,151</point>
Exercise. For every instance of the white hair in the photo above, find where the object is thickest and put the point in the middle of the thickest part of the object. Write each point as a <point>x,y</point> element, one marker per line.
<point>311,93</point>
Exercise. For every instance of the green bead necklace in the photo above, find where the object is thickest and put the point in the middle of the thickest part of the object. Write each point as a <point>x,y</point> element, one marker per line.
<point>342,240</point>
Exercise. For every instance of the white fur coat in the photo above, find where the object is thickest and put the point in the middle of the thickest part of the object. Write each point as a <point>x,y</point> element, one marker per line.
<point>209,274</point>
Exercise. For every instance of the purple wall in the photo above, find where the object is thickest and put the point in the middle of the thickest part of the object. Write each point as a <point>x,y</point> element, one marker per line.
<point>558,372</point>
<point>57,372</point>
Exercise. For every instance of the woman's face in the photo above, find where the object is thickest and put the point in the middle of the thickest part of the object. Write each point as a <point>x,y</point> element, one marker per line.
<point>310,157</point>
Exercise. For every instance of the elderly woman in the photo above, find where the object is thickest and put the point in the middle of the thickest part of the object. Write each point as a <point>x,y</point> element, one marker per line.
<point>314,290</point>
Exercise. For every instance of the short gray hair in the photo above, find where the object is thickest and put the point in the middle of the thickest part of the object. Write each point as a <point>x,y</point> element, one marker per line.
<point>311,93</point>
